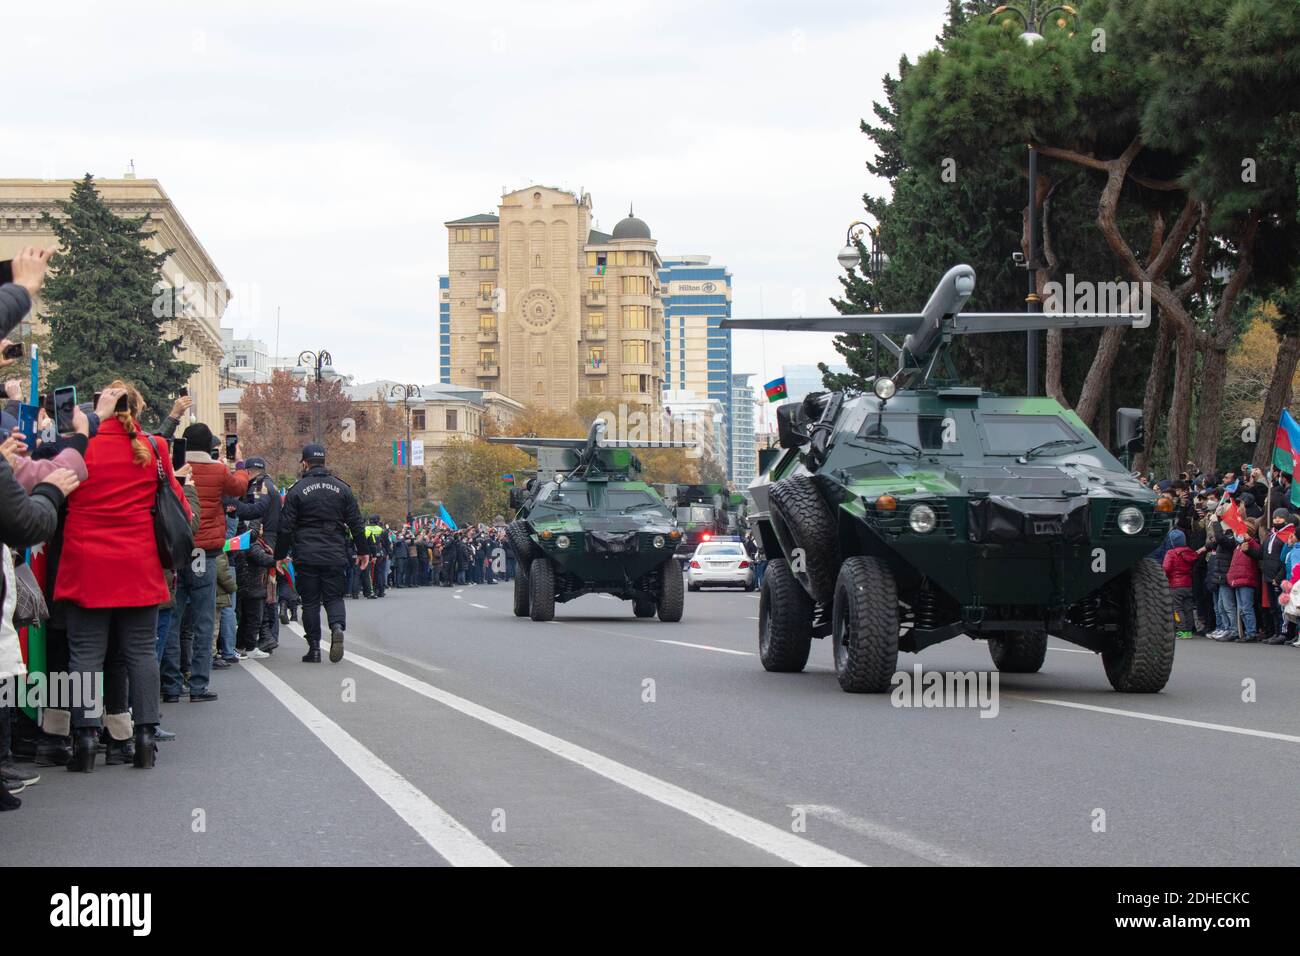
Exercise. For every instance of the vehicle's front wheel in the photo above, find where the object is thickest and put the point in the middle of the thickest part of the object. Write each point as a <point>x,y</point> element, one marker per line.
<point>1018,653</point>
<point>804,521</point>
<point>672,594</point>
<point>785,614</point>
<point>1143,657</point>
<point>541,590</point>
<point>643,607</point>
<point>521,593</point>
<point>864,626</point>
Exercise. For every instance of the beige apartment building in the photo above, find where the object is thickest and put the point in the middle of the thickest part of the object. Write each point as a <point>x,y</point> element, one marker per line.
<point>190,268</point>
<point>547,310</point>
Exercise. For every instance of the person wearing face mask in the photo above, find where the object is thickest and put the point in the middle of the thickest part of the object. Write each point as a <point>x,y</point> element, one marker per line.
<point>1244,580</point>
<point>1220,544</point>
<point>1272,571</point>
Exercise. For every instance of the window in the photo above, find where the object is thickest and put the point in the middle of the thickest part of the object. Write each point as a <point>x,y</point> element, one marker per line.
<point>618,258</point>
<point>451,420</point>
<point>487,322</point>
<point>485,290</point>
<point>636,285</point>
<point>231,420</point>
<point>487,262</point>
<point>487,356</point>
<point>487,234</point>
<point>596,284</point>
<point>537,261</point>
<point>636,383</point>
<point>596,321</point>
<point>417,420</point>
<point>591,260</point>
<point>539,359</point>
<point>636,317</point>
<point>304,424</point>
<point>241,361</point>
<point>596,356</point>
<point>634,351</point>
<point>462,234</point>
<point>596,386</point>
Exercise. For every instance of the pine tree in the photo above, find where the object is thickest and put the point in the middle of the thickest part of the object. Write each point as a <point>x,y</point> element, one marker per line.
<point>105,314</point>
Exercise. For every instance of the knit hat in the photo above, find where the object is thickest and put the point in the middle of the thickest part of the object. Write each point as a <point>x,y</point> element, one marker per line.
<point>198,437</point>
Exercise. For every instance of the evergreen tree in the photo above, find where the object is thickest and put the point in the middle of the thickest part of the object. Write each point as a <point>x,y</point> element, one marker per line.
<point>102,303</point>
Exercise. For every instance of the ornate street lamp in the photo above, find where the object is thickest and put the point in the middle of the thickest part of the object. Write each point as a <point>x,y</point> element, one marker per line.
<point>320,362</point>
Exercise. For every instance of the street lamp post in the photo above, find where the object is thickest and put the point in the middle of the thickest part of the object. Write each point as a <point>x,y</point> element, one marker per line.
<point>1033,32</point>
<point>850,256</point>
<point>319,361</point>
<point>407,392</point>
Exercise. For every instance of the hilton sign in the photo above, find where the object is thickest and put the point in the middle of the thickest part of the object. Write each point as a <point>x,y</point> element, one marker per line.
<point>697,288</point>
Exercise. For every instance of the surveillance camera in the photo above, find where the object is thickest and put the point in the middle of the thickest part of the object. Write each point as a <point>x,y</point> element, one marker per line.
<point>1018,258</point>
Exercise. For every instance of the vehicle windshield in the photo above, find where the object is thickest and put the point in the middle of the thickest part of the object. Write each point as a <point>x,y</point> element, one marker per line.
<point>623,499</point>
<point>561,500</point>
<point>713,550</point>
<point>906,434</point>
<point>1045,436</point>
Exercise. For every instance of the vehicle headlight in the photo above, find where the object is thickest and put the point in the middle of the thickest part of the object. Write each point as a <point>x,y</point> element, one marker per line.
<point>1130,520</point>
<point>659,541</point>
<point>884,388</point>
<point>562,542</point>
<point>921,519</point>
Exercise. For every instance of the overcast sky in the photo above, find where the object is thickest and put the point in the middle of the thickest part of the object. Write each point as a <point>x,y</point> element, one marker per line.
<point>316,148</point>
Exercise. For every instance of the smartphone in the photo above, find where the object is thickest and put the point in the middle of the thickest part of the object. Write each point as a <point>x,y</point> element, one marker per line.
<point>185,391</point>
<point>13,351</point>
<point>231,442</point>
<point>6,271</point>
<point>179,447</point>
<point>65,403</point>
<point>27,415</point>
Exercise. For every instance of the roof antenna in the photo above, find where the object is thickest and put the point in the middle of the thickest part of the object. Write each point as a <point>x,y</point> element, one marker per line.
<point>629,211</point>
<point>130,171</point>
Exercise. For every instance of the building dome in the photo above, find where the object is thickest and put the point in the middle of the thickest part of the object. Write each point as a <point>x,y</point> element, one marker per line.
<point>631,228</point>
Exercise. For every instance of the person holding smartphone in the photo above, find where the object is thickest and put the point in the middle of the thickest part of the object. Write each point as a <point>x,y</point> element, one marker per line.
<point>109,573</point>
<point>16,297</point>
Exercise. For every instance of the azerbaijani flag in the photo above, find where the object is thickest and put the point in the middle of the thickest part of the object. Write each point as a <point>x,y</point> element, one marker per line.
<point>285,568</point>
<point>241,542</point>
<point>508,479</point>
<point>401,453</point>
<point>775,389</point>
<point>445,518</point>
<point>1286,443</point>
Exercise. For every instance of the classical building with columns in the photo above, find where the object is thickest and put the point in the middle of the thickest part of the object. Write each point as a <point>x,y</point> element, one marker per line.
<point>547,310</point>
<point>203,293</point>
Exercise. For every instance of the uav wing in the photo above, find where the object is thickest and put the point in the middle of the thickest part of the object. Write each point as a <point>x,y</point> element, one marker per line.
<point>626,443</point>
<point>541,442</point>
<point>887,323</point>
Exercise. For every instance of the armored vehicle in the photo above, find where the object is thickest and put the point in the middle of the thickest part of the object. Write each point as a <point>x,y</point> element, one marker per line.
<point>927,509</point>
<point>587,524</point>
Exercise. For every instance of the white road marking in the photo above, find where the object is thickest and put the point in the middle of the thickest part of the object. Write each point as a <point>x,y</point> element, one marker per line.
<point>1200,724</point>
<point>481,607</point>
<point>753,618</point>
<point>353,642</point>
<point>448,837</point>
<point>706,647</point>
<point>897,839</point>
<point>456,596</point>
<point>771,839</point>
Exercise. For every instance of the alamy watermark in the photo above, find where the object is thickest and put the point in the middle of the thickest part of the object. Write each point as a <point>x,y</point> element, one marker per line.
<point>1099,298</point>
<point>935,689</point>
<point>60,691</point>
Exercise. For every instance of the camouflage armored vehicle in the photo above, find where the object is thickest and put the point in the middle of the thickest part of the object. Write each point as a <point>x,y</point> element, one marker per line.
<point>926,509</point>
<point>587,524</point>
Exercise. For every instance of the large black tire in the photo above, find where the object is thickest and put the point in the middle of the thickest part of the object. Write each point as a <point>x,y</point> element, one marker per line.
<point>1018,653</point>
<point>785,615</point>
<point>522,545</point>
<point>642,608</point>
<point>864,626</point>
<point>521,592</point>
<point>541,590</point>
<point>804,520</point>
<point>1144,657</point>
<point>672,594</point>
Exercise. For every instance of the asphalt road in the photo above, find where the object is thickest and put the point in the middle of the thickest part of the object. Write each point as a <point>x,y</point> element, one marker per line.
<point>455,732</point>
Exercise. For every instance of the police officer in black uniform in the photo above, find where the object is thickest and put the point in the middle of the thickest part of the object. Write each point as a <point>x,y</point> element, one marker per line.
<point>319,513</point>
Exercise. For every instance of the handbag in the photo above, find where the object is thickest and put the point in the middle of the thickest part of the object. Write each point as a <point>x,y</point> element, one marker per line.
<point>171,527</point>
<point>30,607</point>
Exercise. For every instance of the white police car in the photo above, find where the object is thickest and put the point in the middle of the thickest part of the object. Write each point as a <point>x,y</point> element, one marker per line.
<point>720,562</point>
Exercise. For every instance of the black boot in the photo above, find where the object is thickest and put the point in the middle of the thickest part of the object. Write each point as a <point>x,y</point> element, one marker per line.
<point>146,749</point>
<point>313,654</point>
<point>284,615</point>
<point>336,643</point>
<point>52,751</point>
<point>85,747</point>
<point>117,751</point>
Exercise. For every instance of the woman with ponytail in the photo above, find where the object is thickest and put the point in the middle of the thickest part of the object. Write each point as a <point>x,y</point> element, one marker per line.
<point>110,580</point>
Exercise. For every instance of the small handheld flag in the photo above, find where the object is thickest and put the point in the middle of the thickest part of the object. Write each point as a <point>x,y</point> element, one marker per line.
<point>241,542</point>
<point>508,479</point>
<point>776,390</point>
<point>1232,518</point>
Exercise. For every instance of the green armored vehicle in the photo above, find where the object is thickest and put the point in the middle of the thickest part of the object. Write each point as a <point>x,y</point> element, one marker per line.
<point>587,524</point>
<point>926,510</point>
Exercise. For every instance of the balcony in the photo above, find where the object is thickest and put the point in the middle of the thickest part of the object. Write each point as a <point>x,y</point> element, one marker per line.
<point>489,371</point>
<point>487,336</point>
<point>601,369</point>
<point>485,300</point>
<point>594,333</point>
<point>596,297</point>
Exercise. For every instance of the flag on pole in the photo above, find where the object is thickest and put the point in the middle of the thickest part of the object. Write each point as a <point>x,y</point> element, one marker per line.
<point>240,542</point>
<point>285,567</point>
<point>1286,443</point>
<point>445,518</point>
<point>401,454</point>
<point>508,479</point>
<point>775,389</point>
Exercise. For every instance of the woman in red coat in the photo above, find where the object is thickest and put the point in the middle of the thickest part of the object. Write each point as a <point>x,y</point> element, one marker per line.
<point>110,575</point>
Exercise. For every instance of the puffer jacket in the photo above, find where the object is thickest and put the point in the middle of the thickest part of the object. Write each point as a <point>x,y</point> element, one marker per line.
<point>213,481</point>
<point>251,567</point>
<point>14,304</point>
<point>226,586</point>
<point>1220,545</point>
<point>1243,570</point>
